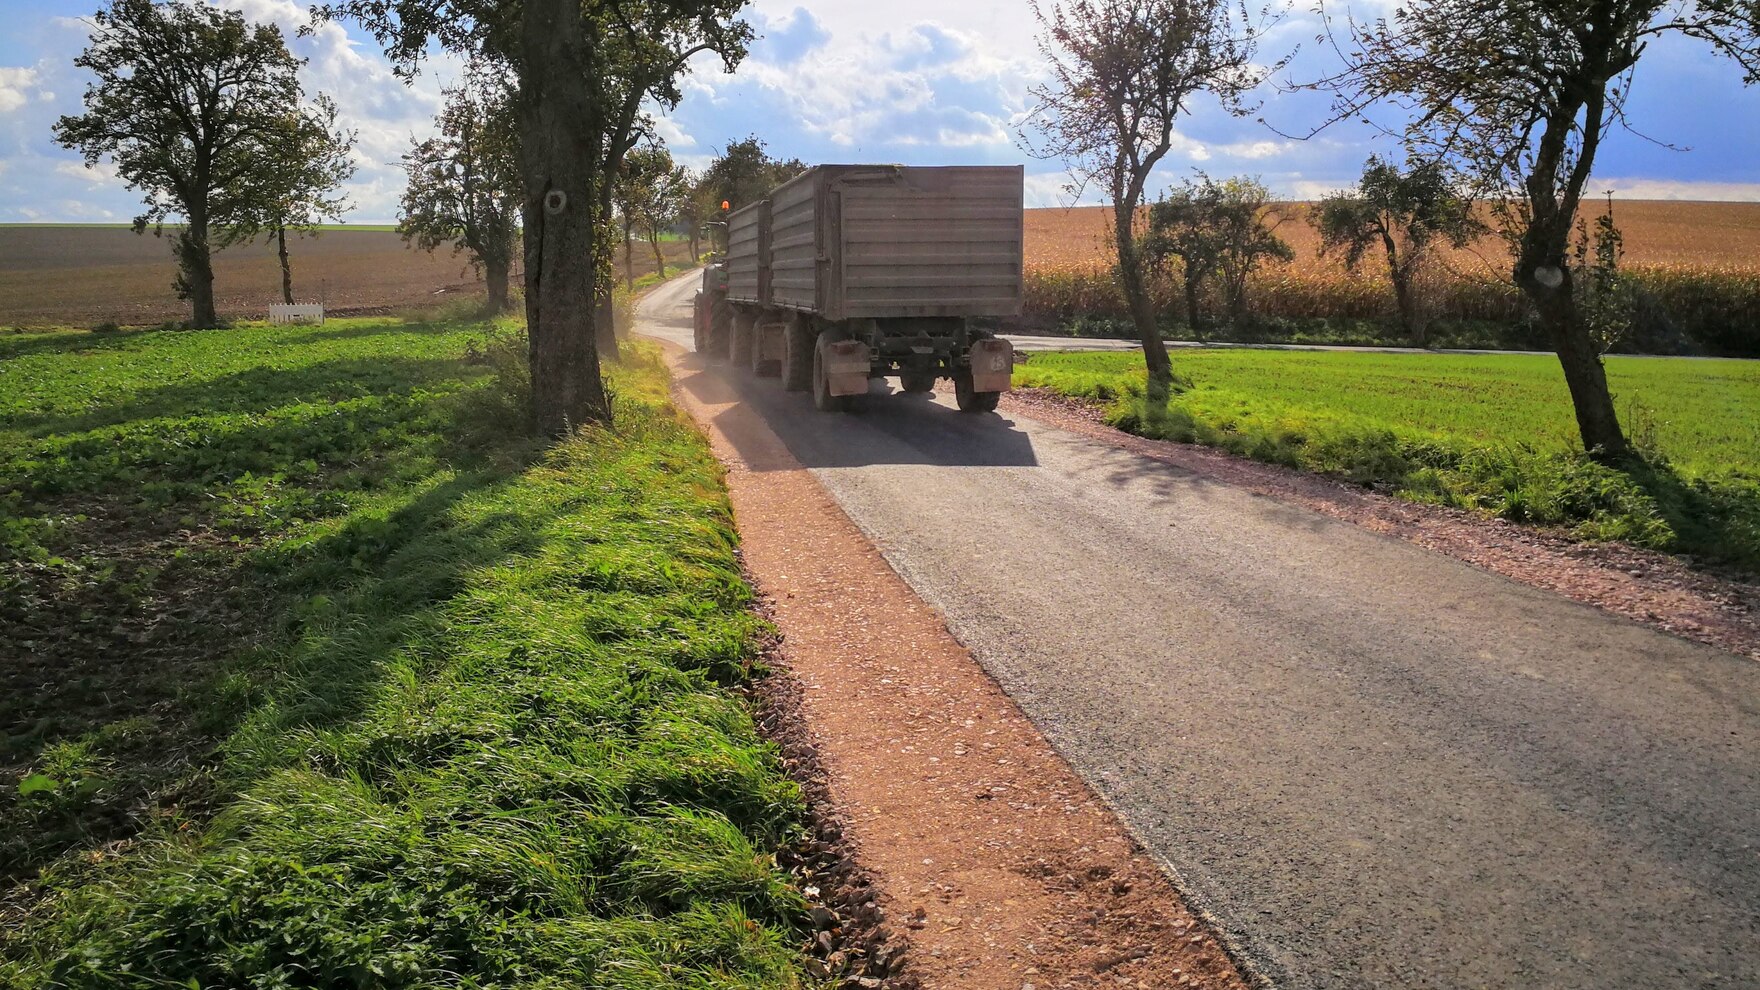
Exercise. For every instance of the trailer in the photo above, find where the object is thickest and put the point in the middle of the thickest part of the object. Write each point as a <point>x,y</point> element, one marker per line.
<point>848,273</point>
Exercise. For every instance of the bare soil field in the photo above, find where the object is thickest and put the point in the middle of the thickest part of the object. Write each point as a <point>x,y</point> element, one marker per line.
<point>82,276</point>
<point>1657,232</point>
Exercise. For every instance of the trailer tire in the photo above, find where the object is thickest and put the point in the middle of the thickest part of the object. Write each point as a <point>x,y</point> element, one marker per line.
<point>823,400</point>
<point>800,345</point>
<point>967,399</point>
<point>720,328</point>
<point>739,351</point>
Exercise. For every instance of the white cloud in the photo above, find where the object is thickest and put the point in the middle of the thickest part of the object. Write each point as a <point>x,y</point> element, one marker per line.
<point>1255,149</point>
<point>920,84</point>
<point>673,135</point>
<point>1049,189</point>
<point>1745,192</point>
<point>16,86</point>
<point>101,174</point>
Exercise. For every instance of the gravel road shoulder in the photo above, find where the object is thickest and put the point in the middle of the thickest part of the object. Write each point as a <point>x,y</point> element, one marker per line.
<point>1002,866</point>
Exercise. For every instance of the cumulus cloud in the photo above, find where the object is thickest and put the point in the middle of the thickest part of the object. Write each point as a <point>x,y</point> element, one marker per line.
<point>17,84</point>
<point>101,174</point>
<point>922,85</point>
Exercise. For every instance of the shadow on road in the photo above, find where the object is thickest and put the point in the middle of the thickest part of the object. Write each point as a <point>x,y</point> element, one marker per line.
<point>886,428</point>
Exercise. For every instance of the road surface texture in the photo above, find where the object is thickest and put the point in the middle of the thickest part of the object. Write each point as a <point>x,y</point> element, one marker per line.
<point>1373,766</point>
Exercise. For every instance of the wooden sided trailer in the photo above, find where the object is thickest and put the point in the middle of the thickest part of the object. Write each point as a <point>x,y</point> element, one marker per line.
<point>847,273</point>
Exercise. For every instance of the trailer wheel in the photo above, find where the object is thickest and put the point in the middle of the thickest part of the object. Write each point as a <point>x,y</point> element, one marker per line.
<point>739,353</point>
<point>969,400</point>
<point>720,327</point>
<point>823,400</point>
<point>798,352</point>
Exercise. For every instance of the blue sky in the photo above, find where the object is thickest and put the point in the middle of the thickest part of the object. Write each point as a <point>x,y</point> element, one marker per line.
<point>913,81</point>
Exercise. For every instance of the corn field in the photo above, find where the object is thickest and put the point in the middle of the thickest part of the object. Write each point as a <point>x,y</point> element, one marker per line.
<point>1696,268</point>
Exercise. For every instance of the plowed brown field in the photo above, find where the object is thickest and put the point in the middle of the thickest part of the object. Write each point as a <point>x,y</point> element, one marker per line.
<point>80,276</point>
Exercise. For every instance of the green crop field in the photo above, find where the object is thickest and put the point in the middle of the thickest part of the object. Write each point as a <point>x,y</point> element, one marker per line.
<point>1490,432</point>
<point>325,675</point>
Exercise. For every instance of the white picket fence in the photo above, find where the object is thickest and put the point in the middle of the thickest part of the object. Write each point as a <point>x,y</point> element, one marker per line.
<point>297,313</point>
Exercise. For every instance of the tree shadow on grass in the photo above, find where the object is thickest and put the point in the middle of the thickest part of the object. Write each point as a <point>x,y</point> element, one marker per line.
<point>387,328</point>
<point>257,390</point>
<point>1715,521</point>
<point>67,342</point>
<point>146,631</point>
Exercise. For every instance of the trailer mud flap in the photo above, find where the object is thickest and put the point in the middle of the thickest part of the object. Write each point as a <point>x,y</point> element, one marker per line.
<point>846,364</point>
<point>992,365</point>
<point>770,342</point>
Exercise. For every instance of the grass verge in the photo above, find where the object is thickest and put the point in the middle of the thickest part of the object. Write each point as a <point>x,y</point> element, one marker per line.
<point>1491,433</point>
<point>474,717</point>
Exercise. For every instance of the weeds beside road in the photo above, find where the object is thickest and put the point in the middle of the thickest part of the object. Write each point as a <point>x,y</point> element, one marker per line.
<point>1486,432</point>
<point>329,676</point>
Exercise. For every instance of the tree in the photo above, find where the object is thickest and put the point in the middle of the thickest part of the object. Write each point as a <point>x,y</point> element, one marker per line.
<point>1405,214</point>
<point>1522,92</point>
<point>1183,225</point>
<point>697,206</point>
<point>1246,239</point>
<point>744,173</point>
<point>585,69</point>
<point>464,183</point>
<point>187,102</point>
<point>1218,230</point>
<point>303,165</point>
<point>649,190</point>
<point>1122,72</point>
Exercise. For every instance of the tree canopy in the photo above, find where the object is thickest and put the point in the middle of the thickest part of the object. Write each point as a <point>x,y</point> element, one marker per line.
<point>195,105</point>
<point>585,69</point>
<point>464,184</point>
<point>1220,233</point>
<point>745,173</point>
<point>305,161</point>
<point>1403,213</point>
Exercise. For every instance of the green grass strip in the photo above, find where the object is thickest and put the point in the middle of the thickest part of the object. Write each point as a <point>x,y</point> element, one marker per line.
<point>493,737</point>
<point>1491,433</point>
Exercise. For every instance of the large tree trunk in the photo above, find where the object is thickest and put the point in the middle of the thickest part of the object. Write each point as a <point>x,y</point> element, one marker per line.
<point>1136,295</point>
<point>1402,300</point>
<point>1584,374</point>
<point>559,144</point>
<point>629,271</point>
<point>195,272</point>
<point>1544,275</point>
<point>286,269</point>
<point>1193,281</point>
<point>495,272</point>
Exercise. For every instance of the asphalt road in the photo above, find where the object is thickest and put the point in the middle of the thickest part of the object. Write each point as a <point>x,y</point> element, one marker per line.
<point>1372,765</point>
